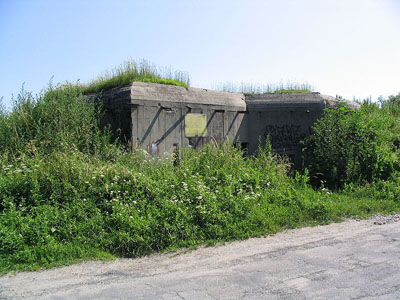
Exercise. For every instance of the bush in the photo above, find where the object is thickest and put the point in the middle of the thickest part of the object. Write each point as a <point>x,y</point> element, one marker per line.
<point>391,101</point>
<point>60,119</point>
<point>353,146</point>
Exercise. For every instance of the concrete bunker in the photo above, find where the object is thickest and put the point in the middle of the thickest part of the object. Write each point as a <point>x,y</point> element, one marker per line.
<point>160,118</point>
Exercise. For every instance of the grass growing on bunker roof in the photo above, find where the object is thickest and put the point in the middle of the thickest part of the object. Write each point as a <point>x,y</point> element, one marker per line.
<point>259,88</point>
<point>131,71</point>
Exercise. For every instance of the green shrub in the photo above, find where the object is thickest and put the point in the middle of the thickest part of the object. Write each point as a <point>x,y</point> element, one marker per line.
<point>60,119</point>
<point>393,101</point>
<point>353,146</point>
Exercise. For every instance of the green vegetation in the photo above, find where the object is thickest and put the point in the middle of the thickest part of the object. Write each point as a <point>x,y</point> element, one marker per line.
<point>132,71</point>
<point>68,194</point>
<point>392,101</point>
<point>354,147</point>
<point>257,88</point>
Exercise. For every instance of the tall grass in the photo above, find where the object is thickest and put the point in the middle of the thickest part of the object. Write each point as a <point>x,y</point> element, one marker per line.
<point>131,71</point>
<point>71,206</point>
<point>60,119</point>
<point>258,88</point>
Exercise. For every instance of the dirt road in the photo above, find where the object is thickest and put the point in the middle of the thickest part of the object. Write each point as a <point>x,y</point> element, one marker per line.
<point>349,260</point>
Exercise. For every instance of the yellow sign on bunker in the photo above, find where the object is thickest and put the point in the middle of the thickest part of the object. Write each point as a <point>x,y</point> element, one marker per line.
<point>195,125</point>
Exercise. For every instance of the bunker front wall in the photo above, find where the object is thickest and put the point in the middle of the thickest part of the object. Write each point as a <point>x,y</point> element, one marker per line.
<point>163,118</point>
<point>162,129</point>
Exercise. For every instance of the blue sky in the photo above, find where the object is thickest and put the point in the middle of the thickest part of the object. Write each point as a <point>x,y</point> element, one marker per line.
<point>345,47</point>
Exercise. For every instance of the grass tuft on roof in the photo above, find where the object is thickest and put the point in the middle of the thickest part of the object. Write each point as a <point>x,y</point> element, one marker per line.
<point>131,71</point>
<point>257,88</point>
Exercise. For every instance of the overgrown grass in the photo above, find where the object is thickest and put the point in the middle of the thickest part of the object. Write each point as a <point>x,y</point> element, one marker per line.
<point>131,71</point>
<point>67,194</point>
<point>60,119</point>
<point>71,207</point>
<point>257,88</point>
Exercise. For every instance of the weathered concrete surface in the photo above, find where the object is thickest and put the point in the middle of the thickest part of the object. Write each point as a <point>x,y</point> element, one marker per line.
<point>143,93</point>
<point>349,260</point>
<point>155,117</point>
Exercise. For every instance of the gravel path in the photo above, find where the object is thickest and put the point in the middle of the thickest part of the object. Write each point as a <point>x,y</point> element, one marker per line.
<point>355,259</point>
